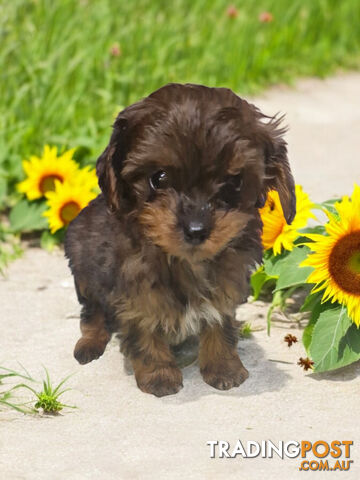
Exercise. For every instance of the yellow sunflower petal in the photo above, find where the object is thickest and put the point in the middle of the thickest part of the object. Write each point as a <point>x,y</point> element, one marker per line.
<point>87,178</point>
<point>277,234</point>
<point>65,203</point>
<point>42,172</point>
<point>335,256</point>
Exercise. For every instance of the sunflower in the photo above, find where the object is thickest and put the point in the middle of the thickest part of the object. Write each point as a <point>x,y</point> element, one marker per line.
<point>65,202</point>
<point>87,178</point>
<point>42,172</point>
<point>336,256</point>
<point>277,234</point>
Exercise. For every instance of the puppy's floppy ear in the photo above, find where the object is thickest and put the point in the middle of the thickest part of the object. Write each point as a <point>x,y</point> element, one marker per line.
<point>109,165</point>
<point>277,169</point>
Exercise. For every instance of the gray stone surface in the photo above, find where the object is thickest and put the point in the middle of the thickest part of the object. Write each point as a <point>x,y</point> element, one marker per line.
<point>118,432</point>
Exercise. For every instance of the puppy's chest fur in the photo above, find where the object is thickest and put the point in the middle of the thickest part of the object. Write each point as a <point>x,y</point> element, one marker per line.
<point>191,321</point>
<point>178,298</point>
<point>195,290</point>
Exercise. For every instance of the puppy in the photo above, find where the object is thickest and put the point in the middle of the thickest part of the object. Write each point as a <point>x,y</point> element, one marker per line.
<point>166,250</point>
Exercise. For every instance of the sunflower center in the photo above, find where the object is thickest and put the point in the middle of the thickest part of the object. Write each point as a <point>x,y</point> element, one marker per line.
<point>344,263</point>
<point>69,211</point>
<point>47,182</point>
<point>354,262</point>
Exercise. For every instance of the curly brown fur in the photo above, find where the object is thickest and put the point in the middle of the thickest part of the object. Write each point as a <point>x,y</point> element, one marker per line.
<point>166,250</point>
<point>219,361</point>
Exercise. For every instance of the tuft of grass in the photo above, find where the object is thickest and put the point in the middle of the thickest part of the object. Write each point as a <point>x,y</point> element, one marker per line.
<point>46,399</point>
<point>67,65</point>
<point>246,330</point>
<point>7,397</point>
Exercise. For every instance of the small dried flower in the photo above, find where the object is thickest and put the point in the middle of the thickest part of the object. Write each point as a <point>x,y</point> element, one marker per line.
<point>306,363</point>
<point>266,17</point>
<point>232,11</point>
<point>290,339</point>
<point>115,50</point>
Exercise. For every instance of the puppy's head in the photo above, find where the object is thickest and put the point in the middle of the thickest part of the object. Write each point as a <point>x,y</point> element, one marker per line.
<point>192,165</point>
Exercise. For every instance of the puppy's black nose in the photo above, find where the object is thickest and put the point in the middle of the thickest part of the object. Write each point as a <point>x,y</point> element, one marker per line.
<point>195,232</point>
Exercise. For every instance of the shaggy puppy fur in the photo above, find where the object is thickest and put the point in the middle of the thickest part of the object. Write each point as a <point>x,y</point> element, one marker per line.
<point>166,250</point>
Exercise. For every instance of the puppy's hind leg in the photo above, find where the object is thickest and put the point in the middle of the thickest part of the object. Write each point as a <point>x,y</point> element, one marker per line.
<point>95,334</point>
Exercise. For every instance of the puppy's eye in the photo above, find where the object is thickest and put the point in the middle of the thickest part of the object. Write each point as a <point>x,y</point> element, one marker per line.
<point>235,182</point>
<point>159,180</point>
<point>230,190</point>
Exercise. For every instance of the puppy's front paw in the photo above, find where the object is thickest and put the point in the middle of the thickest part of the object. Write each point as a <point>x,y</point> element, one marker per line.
<point>160,382</point>
<point>88,349</point>
<point>225,374</point>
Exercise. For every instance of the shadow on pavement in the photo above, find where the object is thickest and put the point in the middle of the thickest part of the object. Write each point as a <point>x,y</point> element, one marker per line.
<point>265,376</point>
<point>344,374</point>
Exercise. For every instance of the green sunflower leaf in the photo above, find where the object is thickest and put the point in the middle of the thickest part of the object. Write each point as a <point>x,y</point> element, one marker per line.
<point>258,280</point>
<point>49,241</point>
<point>335,340</point>
<point>273,263</point>
<point>319,229</point>
<point>288,270</point>
<point>307,335</point>
<point>330,205</point>
<point>26,217</point>
<point>313,304</point>
<point>349,346</point>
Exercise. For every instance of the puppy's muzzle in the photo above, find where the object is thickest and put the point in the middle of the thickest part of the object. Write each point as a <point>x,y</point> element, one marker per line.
<point>195,232</point>
<point>196,222</point>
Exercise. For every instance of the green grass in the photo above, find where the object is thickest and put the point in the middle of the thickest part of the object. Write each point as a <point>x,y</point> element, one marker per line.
<point>46,399</point>
<point>246,330</point>
<point>59,83</point>
<point>10,247</point>
<point>7,397</point>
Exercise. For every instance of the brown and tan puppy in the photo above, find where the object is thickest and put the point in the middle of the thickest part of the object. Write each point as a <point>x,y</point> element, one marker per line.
<point>166,250</point>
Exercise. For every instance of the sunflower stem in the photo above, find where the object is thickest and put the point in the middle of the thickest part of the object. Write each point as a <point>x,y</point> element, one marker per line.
<point>279,300</point>
<point>276,302</point>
